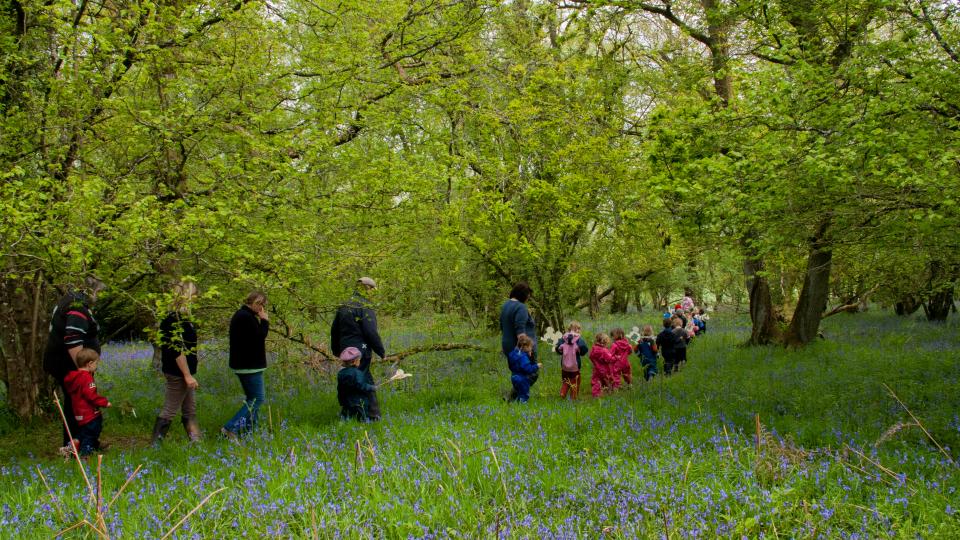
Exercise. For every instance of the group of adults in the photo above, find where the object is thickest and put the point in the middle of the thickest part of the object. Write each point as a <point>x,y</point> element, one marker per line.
<point>73,327</point>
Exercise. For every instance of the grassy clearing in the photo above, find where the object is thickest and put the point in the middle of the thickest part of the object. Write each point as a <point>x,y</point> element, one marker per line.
<point>676,458</point>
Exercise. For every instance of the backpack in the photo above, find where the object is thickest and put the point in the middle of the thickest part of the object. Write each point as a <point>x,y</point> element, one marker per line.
<point>569,350</point>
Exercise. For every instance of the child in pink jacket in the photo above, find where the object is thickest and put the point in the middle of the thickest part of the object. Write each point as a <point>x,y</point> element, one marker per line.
<point>621,350</point>
<point>603,362</point>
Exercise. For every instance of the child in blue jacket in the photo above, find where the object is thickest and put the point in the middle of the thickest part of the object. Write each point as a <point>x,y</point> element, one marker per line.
<point>647,351</point>
<point>524,371</point>
<point>353,391</point>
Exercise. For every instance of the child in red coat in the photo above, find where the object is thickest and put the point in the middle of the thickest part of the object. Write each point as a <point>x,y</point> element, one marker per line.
<point>603,362</point>
<point>86,401</point>
<point>621,350</point>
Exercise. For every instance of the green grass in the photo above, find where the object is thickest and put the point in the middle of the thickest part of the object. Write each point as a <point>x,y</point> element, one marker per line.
<point>675,457</point>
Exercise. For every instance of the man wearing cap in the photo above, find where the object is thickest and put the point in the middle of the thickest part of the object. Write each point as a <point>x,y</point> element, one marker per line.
<point>355,325</point>
<point>72,328</point>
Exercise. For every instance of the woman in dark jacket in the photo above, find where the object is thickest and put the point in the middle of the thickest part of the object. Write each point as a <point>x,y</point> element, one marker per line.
<point>248,359</point>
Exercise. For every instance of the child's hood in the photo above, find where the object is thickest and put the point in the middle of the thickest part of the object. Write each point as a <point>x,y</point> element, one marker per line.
<point>78,376</point>
<point>575,335</point>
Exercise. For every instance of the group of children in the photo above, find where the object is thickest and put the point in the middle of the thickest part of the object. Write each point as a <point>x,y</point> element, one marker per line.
<point>610,355</point>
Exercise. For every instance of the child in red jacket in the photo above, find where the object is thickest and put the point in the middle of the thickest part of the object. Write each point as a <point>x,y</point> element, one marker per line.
<point>621,350</point>
<point>603,362</point>
<point>86,401</point>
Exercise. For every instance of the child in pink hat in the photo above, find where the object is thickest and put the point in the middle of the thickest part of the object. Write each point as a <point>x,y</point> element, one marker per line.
<point>353,391</point>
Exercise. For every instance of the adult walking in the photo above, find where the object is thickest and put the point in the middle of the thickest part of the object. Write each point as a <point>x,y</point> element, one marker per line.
<point>178,356</point>
<point>516,321</point>
<point>355,325</point>
<point>72,328</point>
<point>248,359</point>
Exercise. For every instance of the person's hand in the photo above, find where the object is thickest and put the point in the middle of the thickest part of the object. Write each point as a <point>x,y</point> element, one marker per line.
<point>109,404</point>
<point>263,314</point>
<point>539,364</point>
<point>191,382</point>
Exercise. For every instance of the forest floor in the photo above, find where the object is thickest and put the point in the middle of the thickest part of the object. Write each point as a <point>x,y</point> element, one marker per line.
<point>744,442</point>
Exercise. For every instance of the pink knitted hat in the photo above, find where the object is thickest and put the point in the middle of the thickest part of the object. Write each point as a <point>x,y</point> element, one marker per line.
<point>350,353</point>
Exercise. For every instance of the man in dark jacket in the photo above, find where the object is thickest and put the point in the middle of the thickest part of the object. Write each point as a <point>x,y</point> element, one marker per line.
<point>72,328</point>
<point>355,325</point>
<point>248,359</point>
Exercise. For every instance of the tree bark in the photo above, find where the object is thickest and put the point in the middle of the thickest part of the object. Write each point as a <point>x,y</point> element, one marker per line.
<point>762,317</point>
<point>23,338</point>
<point>940,299</point>
<point>908,305</point>
<point>816,288</point>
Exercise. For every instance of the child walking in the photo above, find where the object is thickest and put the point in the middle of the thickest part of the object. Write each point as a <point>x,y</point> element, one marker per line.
<point>647,351</point>
<point>354,393</point>
<point>667,341</point>
<point>570,347</point>
<point>621,350</point>
<point>524,371</point>
<point>603,362</point>
<point>86,402</point>
<point>680,346</point>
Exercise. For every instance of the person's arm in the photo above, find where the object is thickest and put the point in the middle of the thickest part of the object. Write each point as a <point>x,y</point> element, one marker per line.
<point>75,332</point>
<point>520,317</point>
<point>89,392</point>
<point>370,334</point>
<point>529,367</point>
<point>263,322</point>
<point>582,347</point>
<point>185,369</point>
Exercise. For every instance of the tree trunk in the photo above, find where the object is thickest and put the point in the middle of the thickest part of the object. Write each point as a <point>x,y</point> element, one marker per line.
<point>940,299</point>
<point>594,303</point>
<point>23,339</point>
<point>621,300</point>
<point>762,317</point>
<point>908,305</point>
<point>816,288</point>
<point>938,306</point>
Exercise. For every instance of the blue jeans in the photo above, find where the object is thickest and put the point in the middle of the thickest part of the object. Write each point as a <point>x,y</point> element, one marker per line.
<point>90,436</point>
<point>246,417</point>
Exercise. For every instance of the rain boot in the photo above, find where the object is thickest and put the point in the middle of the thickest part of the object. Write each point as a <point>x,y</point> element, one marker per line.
<point>193,429</point>
<point>160,428</point>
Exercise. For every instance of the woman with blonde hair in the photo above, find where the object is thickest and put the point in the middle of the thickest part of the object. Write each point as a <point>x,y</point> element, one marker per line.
<point>178,361</point>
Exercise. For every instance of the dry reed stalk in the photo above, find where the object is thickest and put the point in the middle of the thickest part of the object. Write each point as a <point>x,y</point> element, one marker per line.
<point>503,483</point>
<point>53,497</point>
<point>757,418</point>
<point>917,420</point>
<point>190,513</point>
<point>893,430</point>
<point>727,436</point>
<point>125,484</point>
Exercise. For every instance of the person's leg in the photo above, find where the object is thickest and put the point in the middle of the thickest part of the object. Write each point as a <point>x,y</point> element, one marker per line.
<point>521,387</point>
<point>246,418</point>
<point>174,390</point>
<point>627,372</point>
<point>373,413</point>
<point>90,436</point>
<point>67,405</point>
<point>596,384</point>
<point>614,377</point>
<point>566,386</point>
<point>188,415</point>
